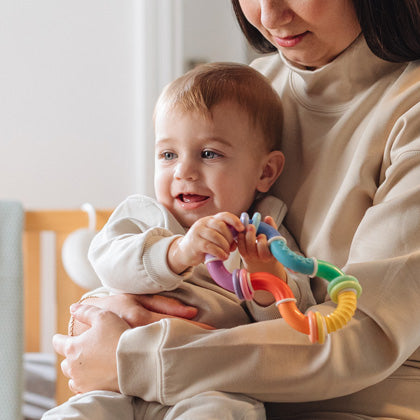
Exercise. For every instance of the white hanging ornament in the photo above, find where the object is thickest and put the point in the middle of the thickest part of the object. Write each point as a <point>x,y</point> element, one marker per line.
<point>75,253</point>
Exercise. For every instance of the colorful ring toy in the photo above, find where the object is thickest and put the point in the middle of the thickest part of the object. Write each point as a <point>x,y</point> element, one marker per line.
<point>343,289</point>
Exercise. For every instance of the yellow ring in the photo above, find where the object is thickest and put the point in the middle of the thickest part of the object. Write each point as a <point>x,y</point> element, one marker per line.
<point>321,327</point>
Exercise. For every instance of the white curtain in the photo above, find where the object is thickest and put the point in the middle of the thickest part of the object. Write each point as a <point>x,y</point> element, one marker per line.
<point>158,38</point>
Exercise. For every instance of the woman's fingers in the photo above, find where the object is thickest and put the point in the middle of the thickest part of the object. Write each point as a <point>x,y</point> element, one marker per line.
<point>85,313</point>
<point>157,301</point>
<point>142,310</point>
<point>166,305</point>
<point>72,387</point>
<point>59,343</point>
<point>65,368</point>
<point>135,310</point>
<point>90,354</point>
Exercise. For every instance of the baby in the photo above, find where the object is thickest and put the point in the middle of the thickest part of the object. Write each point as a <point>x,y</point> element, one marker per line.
<point>217,130</point>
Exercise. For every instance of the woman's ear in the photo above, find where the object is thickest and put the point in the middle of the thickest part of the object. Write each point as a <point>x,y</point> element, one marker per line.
<point>273,167</point>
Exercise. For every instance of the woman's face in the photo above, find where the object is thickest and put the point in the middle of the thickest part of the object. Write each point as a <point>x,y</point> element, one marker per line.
<point>309,33</point>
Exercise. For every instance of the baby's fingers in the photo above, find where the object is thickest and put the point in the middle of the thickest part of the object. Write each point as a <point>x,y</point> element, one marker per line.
<point>222,230</point>
<point>230,219</point>
<point>270,221</point>
<point>247,242</point>
<point>263,249</point>
<point>214,243</point>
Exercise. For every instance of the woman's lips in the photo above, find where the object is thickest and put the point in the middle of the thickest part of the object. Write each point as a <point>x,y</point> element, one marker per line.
<point>290,41</point>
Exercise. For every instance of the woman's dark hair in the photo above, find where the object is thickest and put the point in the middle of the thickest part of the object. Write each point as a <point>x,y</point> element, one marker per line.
<point>252,34</point>
<point>391,28</point>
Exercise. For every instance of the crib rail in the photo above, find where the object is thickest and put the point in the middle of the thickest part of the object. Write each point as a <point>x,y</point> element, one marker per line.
<point>61,223</point>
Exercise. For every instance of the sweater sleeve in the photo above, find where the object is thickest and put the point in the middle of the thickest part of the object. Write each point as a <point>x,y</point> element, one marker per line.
<point>130,253</point>
<point>270,361</point>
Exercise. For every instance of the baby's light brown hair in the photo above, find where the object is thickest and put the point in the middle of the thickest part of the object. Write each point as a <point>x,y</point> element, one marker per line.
<point>207,85</point>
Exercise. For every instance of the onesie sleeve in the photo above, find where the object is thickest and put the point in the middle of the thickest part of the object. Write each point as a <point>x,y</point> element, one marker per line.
<point>130,253</point>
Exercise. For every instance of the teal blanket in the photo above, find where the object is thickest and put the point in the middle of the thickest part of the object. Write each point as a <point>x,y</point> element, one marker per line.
<point>11,309</point>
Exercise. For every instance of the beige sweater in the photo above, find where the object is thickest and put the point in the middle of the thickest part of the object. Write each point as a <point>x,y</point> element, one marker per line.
<point>352,186</point>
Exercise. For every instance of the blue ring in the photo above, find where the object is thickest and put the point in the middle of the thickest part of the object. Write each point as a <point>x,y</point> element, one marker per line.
<point>283,254</point>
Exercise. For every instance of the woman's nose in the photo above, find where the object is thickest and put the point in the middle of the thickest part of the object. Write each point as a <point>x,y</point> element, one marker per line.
<point>275,13</point>
<point>186,170</point>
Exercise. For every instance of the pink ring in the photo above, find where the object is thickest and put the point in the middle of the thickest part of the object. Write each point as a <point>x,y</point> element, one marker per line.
<point>245,285</point>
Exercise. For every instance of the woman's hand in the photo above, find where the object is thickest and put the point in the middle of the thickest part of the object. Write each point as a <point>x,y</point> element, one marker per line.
<point>137,310</point>
<point>98,325</point>
<point>90,360</point>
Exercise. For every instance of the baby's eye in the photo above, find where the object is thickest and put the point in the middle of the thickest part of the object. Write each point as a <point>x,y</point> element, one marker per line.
<point>167,155</point>
<point>209,154</point>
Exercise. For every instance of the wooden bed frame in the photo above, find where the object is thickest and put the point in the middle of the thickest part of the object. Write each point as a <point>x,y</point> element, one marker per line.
<point>62,223</point>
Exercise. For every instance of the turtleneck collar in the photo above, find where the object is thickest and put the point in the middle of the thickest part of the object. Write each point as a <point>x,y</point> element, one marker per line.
<point>333,86</point>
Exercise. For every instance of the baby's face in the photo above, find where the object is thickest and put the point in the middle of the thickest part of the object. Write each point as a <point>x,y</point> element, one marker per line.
<point>207,165</point>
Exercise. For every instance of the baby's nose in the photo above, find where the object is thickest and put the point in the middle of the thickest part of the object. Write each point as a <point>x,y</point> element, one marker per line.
<point>186,170</point>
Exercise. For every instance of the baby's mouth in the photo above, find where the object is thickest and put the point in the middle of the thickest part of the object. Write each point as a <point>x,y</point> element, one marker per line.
<point>192,198</point>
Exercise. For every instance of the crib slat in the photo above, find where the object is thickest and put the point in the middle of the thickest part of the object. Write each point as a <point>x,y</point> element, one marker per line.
<point>32,292</point>
<point>62,220</point>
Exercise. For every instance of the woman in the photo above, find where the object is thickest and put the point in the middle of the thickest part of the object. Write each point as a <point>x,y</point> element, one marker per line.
<point>352,145</point>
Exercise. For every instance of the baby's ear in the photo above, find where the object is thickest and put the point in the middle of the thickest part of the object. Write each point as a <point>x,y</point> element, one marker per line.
<point>273,167</point>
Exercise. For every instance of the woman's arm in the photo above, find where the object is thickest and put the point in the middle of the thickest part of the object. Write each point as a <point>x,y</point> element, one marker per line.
<point>98,324</point>
<point>269,360</point>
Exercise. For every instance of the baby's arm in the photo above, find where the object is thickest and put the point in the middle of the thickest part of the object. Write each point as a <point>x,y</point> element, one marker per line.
<point>208,235</point>
<point>129,254</point>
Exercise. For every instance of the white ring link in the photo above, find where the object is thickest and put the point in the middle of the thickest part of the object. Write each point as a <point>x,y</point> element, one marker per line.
<point>277,238</point>
<point>315,267</point>
<point>285,300</point>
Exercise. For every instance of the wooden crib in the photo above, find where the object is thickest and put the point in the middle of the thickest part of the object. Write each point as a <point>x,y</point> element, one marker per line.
<point>61,223</point>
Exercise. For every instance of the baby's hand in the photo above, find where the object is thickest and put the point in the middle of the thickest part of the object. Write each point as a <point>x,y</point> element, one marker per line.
<point>255,251</point>
<point>208,235</point>
<point>257,257</point>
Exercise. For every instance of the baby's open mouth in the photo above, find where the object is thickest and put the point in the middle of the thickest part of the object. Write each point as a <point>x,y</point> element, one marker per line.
<point>192,198</point>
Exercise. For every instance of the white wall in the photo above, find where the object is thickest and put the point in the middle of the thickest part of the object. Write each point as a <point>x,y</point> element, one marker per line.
<point>78,81</point>
<point>211,32</point>
<point>66,113</point>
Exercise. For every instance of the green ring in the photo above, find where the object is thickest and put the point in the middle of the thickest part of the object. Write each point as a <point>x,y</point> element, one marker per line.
<point>343,282</point>
<point>328,271</point>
